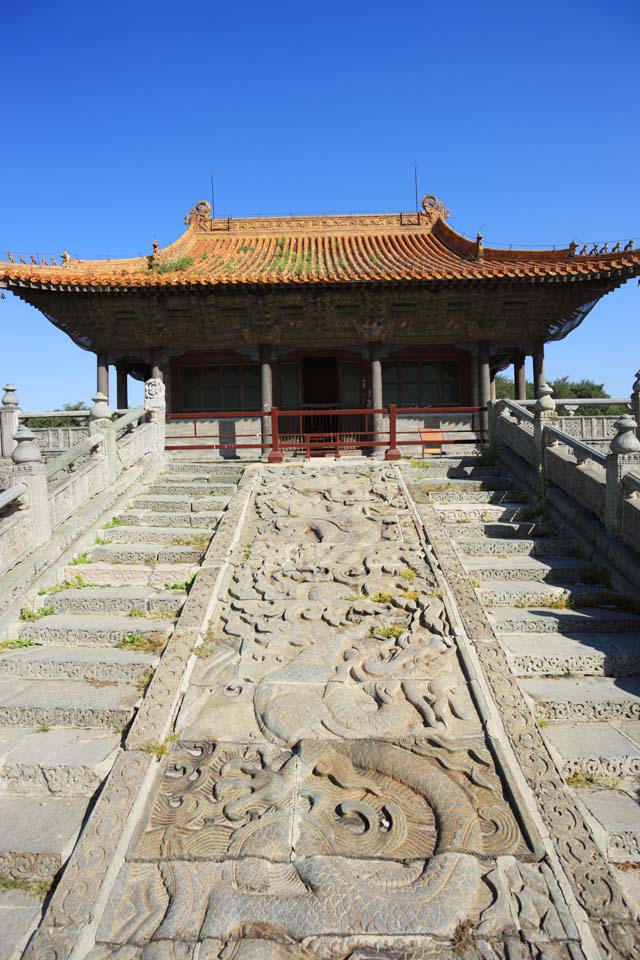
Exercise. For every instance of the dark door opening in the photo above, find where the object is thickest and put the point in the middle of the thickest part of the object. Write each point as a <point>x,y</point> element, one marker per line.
<point>320,382</point>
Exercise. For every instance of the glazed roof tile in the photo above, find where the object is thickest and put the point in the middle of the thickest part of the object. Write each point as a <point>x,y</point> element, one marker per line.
<point>312,250</point>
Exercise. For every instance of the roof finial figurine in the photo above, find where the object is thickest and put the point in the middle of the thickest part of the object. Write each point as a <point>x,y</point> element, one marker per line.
<point>22,259</point>
<point>628,246</point>
<point>199,213</point>
<point>434,208</point>
<point>479,247</point>
<point>594,248</point>
<point>605,247</point>
<point>583,250</point>
<point>10,257</point>
<point>34,261</point>
<point>156,248</point>
<point>45,262</point>
<point>573,246</point>
<point>616,249</point>
<point>54,262</point>
<point>65,258</point>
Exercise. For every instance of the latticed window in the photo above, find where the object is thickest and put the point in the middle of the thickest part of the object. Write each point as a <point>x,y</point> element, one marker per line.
<point>429,383</point>
<point>221,388</point>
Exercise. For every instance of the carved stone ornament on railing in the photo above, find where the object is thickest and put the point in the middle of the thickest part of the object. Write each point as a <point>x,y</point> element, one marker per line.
<point>10,398</point>
<point>635,390</point>
<point>434,208</point>
<point>199,214</point>
<point>154,393</point>
<point>625,440</point>
<point>26,450</point>
<point>545,404</point>
<point>100,409</point>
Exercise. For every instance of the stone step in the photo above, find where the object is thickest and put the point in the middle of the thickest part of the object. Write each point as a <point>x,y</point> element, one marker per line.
<point>468,530</point>
<point>93,630</point>
<point>63,761</point>
<point>541,620</point>
<point>144,553</point>
<point>37,834</point>
<point>505,497</point>
<point>207,468</point>
<point>584,654</point>
<point>538,547</point>
<point>169,576</point>
<point>584,698</point>
<point>593,751</point>
<point>480,513</point>
<point>190,488</point>
<point>174,536</point>
<point>20,912</point>
<point>616,813</point>
<point>163,502</point>
<point>442,485</point>
<point>69,703</point>
<point>437,468</point>
<point>523,593</point>
<point>49,662</point>
<point>564,569</point>
<point>116,600</point>
<point>176,518</point>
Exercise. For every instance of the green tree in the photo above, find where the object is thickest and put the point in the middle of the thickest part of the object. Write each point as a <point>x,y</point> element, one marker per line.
<point>565,389</point>
<point>61,421</point>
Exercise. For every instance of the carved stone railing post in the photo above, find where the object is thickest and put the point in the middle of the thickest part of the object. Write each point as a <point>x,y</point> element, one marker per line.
<point>9,421</point>
<point>30,470</point>
<point>156,407</point>
<point>635,402</point>
<point>544,413</point>
<point>101,422</point>
<point>624,457</point>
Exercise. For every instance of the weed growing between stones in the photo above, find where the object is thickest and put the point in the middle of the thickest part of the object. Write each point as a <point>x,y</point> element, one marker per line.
<point>135,612</point>
<point>34,888</point>
<point>98,682</point>
<point>101,541</point>
<point>43,728</point>
<point>388,633</point>
<point>419,464</point>
<point>409,574</point>
<point>16,644</point>
<point>76,583</point>
<point>185,585</point>
<point>114,522</point>
<point>159,749</point>
<point>141,644</point>
<point>462,940</point>
<point>474,582</point>
<point>145,680</point>
<point>204,650</point>
<point>588,779</point>
<point>382,597</point>
<point>28,615</point>
<point>80,559</point>
<point>410,594</point>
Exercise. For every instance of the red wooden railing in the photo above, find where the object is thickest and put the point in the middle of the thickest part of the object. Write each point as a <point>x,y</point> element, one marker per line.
<point>310,431</point>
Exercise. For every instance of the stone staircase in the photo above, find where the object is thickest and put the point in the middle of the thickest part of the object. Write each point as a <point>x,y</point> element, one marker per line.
<point>74,667</point>
<point>571,638</point>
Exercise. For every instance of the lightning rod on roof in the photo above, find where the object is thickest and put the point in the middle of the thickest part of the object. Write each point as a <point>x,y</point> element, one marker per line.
<point>213,203</point>
<point>415,182</point>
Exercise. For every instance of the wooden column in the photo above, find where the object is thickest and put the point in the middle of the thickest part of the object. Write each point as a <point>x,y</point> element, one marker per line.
<point>376,395</point>
<point>122,392</point>
<point>538,368</point>
<point>102,379</point>
<point>492,389</point>
<point>266,389</point>
<point>519,376</point>
<point>485,384</point>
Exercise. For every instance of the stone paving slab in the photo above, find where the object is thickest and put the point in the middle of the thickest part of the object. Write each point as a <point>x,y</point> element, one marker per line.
<point>19,913</point>
<point>93,629</point>
<point>61,761</point>
<point>131,574</point>
<point>524,568</point>
<point>454,513</point>
<point>42,833</point>
<point>541,620</point>
<point>146,553</point>
<point>593,748</point>
<point>619,816</point>
<point>50,662</point>
<point>151,534</point>
<point>610,654</point>
<point>486,546</point>
<point>584,698</point>
<point>114,600</point>
<point>69,704</point>
<point>176,518</point>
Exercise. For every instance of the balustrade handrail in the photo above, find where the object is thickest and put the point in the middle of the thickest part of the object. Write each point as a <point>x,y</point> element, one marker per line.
<point>514,407</point>
<point>65,414</point>
<point>74,453</point>
<point>631,480</point>
<point>132,416</point>
<point>13,493</point>
<point>579,401</point>
<point>583,449</point>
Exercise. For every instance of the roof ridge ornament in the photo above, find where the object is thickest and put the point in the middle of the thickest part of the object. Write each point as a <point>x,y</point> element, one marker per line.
<point>434,208</point>
<point>199,214</point>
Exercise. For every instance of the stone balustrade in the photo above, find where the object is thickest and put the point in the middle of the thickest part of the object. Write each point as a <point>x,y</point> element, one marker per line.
<point>41,497</point>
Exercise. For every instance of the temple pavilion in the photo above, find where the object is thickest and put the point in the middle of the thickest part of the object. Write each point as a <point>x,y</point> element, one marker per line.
<point>321,312</point>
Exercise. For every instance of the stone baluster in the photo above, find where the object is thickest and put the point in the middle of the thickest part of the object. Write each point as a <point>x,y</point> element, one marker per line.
<point>156,407</point>
<point>30,470</point>
<point>100,422</point>
<point>9,421</point>
<point>635,402</point>
<point>624,457</point>
<point>544,413</point>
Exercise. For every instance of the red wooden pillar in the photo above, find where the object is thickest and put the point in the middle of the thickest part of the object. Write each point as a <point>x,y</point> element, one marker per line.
<point>275,455</point>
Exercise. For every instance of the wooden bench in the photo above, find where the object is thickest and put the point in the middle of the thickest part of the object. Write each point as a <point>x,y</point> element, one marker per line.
<point>432,439</point>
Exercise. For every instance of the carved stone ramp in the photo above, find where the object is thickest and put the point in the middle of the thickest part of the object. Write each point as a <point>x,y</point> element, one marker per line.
<point>543,612</point>
<point>73,669</point>
<point>340,786</point>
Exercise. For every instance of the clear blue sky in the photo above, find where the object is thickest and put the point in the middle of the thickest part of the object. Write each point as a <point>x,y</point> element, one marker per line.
<point>524,119</point>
